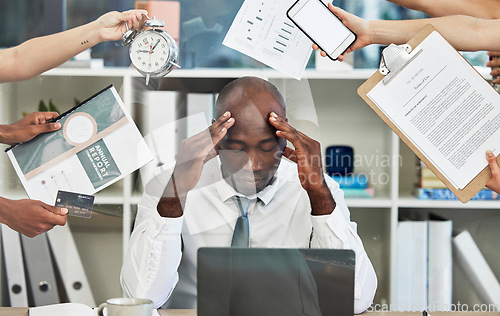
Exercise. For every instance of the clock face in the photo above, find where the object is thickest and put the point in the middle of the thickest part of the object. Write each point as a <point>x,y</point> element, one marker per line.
<point>149,52</point>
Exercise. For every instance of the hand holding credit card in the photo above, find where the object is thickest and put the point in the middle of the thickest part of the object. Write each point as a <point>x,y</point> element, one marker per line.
<point>78,204</point>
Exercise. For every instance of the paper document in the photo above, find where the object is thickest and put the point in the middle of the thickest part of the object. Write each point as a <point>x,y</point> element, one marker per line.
<point>262,31</point>
<point>97,145</point>
<point>444,107</point>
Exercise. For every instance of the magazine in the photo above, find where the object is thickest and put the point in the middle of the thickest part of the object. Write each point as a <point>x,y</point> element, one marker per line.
<point>97,145</point>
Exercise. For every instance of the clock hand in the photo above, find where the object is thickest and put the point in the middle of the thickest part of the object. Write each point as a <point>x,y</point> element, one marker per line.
<point>149,62</point>
<point>158,41</point>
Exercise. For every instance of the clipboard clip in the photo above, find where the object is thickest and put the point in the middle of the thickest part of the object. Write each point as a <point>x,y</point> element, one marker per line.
<point>395,58</point>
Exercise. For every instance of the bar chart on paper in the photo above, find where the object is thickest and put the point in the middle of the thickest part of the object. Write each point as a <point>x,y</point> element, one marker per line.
<point>262,31</point>
<point>282,39</point>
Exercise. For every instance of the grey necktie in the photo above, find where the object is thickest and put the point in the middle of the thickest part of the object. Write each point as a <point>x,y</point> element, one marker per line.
<point>241,229</point>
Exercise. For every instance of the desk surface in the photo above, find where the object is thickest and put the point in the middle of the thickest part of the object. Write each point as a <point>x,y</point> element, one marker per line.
<point>22,311</point>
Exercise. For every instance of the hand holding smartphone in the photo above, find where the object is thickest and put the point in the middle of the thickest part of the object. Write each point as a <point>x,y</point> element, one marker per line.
<point>316,21</point>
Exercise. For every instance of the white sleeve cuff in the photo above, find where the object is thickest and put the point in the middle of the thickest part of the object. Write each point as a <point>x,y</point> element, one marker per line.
<point>168,225</point>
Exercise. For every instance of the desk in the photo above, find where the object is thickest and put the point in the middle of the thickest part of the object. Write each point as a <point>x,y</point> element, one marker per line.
<point>21,311</point>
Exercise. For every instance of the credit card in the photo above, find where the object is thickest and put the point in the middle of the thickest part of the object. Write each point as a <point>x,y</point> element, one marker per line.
<point>78,204</point>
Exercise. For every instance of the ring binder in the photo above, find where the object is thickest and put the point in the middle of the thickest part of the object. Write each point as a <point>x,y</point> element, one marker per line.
<point>14,266</point>
<point>40,271</point>
<point>395,58</point>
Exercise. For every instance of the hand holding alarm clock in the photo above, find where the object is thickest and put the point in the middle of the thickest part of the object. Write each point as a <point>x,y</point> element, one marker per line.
<point>153,52</point>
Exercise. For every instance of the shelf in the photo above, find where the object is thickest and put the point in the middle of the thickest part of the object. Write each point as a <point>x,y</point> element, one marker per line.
<point>369,203</point>
<point>97,222</point>
<point>91,72</point>
<point>108,198</point>
<point>209,73</point>
<point>225,73</point>
<point>409,202</point>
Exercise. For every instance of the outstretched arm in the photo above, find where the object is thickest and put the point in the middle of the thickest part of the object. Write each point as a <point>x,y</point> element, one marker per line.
<point>486,9</point>
<point>31,217</point>
<point>28,127</point>
<point>40,54</point>
<point>456,29</point>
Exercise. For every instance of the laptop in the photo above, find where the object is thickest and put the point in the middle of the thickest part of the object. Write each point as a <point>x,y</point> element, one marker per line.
<point>275,282</point>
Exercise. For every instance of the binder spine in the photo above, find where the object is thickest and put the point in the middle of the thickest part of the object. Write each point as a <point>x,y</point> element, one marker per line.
<point>16,281</point>
<point>70,266</point>
<point>40,271</point>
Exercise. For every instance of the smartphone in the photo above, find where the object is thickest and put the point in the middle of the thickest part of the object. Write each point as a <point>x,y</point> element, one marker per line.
<point>323,27</point>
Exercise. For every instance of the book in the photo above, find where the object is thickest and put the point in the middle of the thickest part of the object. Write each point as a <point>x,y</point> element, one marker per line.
<point>97,145</point>
<point>352,181</point>
<point>440,267</point>
<point>427,173</point>
<point>427,178</point>
<point>424,265</point>
<point>446,194</point>
<point>476,268</point>
<point>359,193</point>
<point>411,268</point>
<point>65,309</point>
<point>432,183</point>
<point>73,309</point>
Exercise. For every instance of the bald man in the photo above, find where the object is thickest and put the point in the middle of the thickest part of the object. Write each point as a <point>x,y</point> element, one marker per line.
<point>196,203</point>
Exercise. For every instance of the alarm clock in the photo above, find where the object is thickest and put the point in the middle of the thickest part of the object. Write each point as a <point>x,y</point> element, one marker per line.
<point>153,52</point>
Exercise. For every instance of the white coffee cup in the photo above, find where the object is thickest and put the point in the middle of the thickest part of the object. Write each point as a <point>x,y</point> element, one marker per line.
<point>126,306</point>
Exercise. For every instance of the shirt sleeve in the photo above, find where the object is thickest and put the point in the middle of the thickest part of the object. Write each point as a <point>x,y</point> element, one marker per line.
<point>154,252</point>
<point>337,231</point>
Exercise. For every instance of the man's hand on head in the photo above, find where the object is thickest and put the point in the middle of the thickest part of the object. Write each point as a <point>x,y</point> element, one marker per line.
<point>307,156</point>
<point>193,153</point>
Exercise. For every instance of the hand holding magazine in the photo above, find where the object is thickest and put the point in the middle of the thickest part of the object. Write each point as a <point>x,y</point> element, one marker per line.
<point>97,145</point>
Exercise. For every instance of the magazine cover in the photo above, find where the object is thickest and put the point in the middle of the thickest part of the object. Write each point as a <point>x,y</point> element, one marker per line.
<point>97,145</point>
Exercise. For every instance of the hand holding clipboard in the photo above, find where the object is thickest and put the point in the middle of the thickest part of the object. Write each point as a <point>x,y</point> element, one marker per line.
<point>441,108</point>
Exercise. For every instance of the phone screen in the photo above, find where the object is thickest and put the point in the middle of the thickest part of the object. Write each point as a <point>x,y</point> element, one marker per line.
<point>321,25</point>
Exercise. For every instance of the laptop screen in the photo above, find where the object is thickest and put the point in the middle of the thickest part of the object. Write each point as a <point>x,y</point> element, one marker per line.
<point>270,281</point>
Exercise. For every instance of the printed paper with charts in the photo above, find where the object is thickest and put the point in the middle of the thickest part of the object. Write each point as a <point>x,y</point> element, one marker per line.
<point>262,31</point>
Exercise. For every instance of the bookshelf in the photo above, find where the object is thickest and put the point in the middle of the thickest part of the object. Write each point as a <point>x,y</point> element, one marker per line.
<point>344,119</point>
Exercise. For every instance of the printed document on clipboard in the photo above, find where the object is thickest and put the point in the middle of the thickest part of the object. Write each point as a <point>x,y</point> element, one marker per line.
<point>444,110</point>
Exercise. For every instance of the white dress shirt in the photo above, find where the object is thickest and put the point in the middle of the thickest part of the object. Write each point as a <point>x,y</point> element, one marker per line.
<point>161,260</point>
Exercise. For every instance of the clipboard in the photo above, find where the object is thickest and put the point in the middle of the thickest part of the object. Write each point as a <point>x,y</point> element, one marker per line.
<point>393,61</point>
